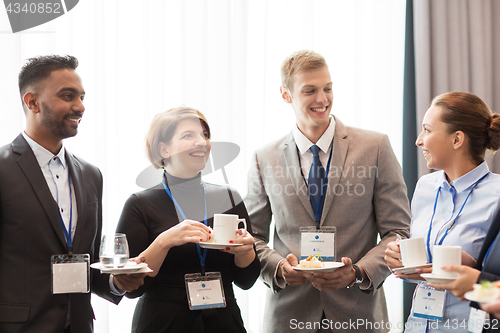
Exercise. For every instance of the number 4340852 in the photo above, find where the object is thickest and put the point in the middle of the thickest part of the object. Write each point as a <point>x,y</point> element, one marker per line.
<point>47,8</point>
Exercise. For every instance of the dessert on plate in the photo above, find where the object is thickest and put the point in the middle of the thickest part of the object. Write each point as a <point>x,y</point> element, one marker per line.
<point>312,262</point>
<point>487,289</point>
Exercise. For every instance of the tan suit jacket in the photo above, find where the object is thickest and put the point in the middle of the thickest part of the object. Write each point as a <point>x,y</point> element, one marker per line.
<point>366,198</point>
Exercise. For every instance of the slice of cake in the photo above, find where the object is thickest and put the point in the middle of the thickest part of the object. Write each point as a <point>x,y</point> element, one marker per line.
<point>311,262</point>
<point>487,288</point>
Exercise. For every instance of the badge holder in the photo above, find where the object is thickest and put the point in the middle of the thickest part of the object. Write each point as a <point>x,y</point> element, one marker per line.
<point>315,241</point>
<point>205,291</point>
<point>477,319</point>
<point>429,303</point>
<point>70,273</point>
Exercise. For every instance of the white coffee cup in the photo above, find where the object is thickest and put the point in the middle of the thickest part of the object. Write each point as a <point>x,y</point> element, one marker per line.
<point>413,252</point>
<point>225,227</point>
<point>446,255</point>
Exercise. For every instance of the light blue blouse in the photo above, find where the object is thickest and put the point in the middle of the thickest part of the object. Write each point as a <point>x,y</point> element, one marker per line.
<point>468,231</point>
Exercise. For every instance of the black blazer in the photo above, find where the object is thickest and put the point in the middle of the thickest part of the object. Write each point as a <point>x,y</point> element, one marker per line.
<point>31,231</point>
<point>490,271</point>
<point>163,306</point>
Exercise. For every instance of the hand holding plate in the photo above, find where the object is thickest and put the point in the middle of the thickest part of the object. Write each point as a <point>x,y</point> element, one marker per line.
<point>493,308</point>
<point>290,275</point>
<point>416,275</point>
<point>337,279</point>
<point>461,285</point>
<point>245,254</point>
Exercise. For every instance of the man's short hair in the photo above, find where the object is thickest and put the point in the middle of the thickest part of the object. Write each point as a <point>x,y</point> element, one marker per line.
<point>39,68</point>
<point>298,62</point>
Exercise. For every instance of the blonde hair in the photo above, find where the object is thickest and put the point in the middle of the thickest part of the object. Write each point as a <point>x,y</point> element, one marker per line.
<point>298,62</point>
<point>163,127</point>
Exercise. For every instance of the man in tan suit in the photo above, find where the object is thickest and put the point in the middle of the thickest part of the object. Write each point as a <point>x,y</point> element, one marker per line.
<point>364,196</point>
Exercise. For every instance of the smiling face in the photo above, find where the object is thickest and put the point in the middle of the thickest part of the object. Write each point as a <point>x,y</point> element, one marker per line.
<point>55,107</point>
<point>436,141</point>
<point>188,150</point>
<point>311,99</point>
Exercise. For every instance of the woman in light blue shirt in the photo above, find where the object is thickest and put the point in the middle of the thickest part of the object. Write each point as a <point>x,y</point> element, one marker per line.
<point>456,204</point>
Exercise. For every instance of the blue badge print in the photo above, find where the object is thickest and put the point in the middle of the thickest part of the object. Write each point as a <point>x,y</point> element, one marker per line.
<point>428,294</point>
<point>317,237</point>
<point>203,286</point>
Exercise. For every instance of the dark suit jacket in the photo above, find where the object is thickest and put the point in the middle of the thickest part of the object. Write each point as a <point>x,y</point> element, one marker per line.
<point>491,270</point>
<point>163,306</point>
<point>31,232</point>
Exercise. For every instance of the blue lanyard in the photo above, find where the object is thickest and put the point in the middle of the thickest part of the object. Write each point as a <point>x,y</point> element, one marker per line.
<point>202,257</point>
<point>324,182</point>
<point>67,234</point>
<point>452,223</point>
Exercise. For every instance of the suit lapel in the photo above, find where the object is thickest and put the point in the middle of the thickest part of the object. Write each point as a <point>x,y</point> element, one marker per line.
<point>292,165</point>
<point>340,149</point>
<point>81,199</point>
<point>28,163</point>
<point>488,240</point>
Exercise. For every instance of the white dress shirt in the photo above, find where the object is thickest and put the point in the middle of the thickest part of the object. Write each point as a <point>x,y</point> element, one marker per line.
<point>55,170</point>
<point>468,231</point>
<point>304,144</point>
<point>306,157</point>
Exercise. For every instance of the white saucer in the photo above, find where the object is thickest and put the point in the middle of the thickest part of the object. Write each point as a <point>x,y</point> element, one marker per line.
<point>437,279</point>
<point>217,246</point>
<point>472,296</point>
<point>130,268</point>
<point>329,266</point>
<point>410,269</point>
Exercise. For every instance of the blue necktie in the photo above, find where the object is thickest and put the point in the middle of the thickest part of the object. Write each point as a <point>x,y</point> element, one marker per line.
<point>316,176</point>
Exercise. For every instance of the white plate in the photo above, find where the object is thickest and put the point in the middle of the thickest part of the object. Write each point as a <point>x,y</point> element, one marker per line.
<point>217,246</point>
<point>437,279</point>
<point>410,269</point>
<point>130,268</point>
<point>472,296</point>
<point>328,266</point>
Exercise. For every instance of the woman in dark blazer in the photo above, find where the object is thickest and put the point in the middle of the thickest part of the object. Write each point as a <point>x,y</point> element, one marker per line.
<point>163,228</point>
<point>487,268</point>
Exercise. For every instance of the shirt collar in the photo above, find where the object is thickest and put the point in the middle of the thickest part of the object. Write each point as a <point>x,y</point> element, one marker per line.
<point>466,181</point>
<point>43,156</point>
<point>303,143</point>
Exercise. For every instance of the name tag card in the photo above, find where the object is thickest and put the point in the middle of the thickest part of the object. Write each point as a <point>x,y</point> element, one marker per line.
<point>314,241</point>
<point>476,320</point>
<point>70,273</point>
<point>205,291</point>
<point>429,303</point>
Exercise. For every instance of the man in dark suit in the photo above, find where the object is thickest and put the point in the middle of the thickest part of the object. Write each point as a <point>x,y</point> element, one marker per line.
<point>50,204</point>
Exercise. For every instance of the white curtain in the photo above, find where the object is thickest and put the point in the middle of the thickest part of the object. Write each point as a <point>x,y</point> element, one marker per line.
<point>457,48</point>
<point>139,58</point>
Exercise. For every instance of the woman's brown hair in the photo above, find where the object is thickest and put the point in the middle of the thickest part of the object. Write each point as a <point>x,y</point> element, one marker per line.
<point>466,112</point>
<point>163,127</point>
